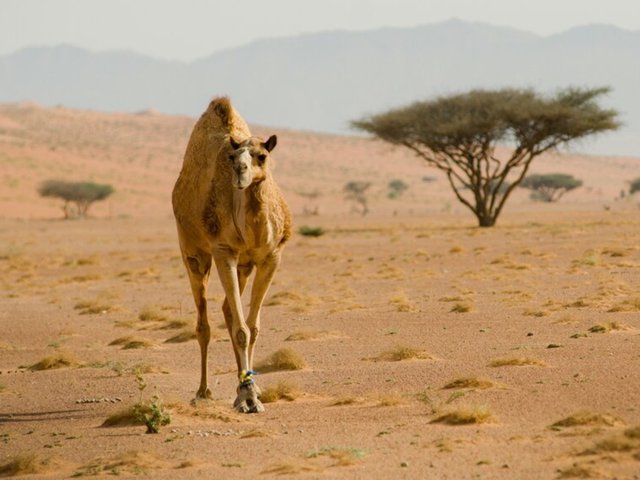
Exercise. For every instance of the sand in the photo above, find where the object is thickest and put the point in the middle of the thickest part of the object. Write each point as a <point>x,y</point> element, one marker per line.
<point>385,309</point>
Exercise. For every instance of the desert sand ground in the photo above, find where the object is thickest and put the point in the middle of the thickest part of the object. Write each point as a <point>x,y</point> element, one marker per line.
<point>406,321</point>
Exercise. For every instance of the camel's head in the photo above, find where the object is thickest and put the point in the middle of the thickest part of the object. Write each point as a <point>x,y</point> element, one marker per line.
<point>250,160</point>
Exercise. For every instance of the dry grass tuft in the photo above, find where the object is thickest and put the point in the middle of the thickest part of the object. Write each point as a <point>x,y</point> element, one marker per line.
<point>257,433</point>
<point>465,416</point>
<point>59,360</point>
<point>633,432</point>
<point>343,456</point>
<point>402,352</point>
<point>579,471</point>
<point>617,443</point>
<point>126,417</point>
<point>130,463</point>
<point>470,382</point>
<point>607,327</point>
<point>93,307</point>
<point>150,314</point>
<point>346,400</point>
<point>184,336</point>
<point>629,305</point>
<point>461,308</point>
<point>283,359</point>
<point>24,465</point>
<point>389,400</point>
<point>516,362</point>
<point>129,342</point>
<point>586,418</point>
<point>401,302</point>
<point>312,335</point>
<point>289,469</point>
<point>284,389</point>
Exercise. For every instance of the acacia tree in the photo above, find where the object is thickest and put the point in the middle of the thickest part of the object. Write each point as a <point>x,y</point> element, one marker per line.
<point>551,186</point>
<point>82,194</point>
<point>458,134</point>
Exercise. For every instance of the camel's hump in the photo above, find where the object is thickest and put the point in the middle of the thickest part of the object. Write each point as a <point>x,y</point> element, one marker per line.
<point>221,106</point>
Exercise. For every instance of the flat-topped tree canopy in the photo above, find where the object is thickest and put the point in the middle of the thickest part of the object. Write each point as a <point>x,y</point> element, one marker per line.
<point>459,135</point>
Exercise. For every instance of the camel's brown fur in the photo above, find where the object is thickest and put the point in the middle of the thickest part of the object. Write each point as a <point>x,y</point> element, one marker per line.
<point>229,209</point>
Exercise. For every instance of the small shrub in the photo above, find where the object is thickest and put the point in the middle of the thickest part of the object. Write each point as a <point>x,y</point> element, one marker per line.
<point>402,352</point>
<point>283,359</point>
<point>634,186</point>
<point>308,231</point>
<point>396,188</point>
<point>585,418</point>
<point>464,416</point>
<point>153,415</point>
<point>470,382</point>
<point>282,390</point>
<point>81,194</point>
<point>60,360</point>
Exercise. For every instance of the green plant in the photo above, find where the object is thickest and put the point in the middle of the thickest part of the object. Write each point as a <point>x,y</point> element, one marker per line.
<point>153,414</point>
<point>396,188</point>
<point>308,231</point>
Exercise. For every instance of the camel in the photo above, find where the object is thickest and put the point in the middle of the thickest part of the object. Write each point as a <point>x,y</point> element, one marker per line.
<point>229,209</point>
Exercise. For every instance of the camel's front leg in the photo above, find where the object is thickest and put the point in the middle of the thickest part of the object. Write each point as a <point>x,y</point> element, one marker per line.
<point>227,265</point>
<point>264,276</point>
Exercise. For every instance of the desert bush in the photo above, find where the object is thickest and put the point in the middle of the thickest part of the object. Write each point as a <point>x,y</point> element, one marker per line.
<point>80,194</point>
<point>634,186</point>
<point>308,231</point>
<point>550,187</point>
<point>396,188</point>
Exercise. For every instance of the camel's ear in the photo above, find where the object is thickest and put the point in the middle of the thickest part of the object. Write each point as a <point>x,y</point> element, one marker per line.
<point>270,144</point>
<point>235,145</point>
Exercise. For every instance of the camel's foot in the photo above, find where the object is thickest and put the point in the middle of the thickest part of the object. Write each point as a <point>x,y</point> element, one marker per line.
<point>203,395</point>
<point>247,400</point>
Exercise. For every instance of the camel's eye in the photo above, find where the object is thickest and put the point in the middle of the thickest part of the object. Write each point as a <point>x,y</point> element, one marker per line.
<point>231,157</point>
<point>261,158</point>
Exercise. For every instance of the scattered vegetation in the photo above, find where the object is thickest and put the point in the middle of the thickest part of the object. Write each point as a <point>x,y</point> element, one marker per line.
<point>634,186</point>
<point>79,194</point>
<point>92,307</point>
<point>550,187</point>
<point>283,390</point>
<point>464,416</point>
<point>283,359</point>
<point>458,134</point>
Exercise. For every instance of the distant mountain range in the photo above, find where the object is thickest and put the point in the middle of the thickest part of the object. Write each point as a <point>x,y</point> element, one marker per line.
<point>321,81</point>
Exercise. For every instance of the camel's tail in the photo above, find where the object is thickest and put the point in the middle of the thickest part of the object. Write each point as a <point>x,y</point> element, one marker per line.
<point>221,106</point>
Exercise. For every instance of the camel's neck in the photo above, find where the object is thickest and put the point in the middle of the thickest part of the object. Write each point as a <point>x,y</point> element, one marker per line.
<point>239,211</point>
<point>249,203</point>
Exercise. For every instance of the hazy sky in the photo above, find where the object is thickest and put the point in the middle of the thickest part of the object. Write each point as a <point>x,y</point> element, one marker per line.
<point>189,29</point>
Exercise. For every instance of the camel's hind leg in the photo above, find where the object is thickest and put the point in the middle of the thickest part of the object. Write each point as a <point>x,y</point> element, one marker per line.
<point>199,266</point>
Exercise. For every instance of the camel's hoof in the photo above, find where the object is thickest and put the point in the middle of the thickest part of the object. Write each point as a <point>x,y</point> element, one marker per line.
<point>202,396</point>
<point>247,400</point>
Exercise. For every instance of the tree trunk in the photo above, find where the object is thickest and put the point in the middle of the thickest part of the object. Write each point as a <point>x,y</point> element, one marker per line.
<point>486,221</point>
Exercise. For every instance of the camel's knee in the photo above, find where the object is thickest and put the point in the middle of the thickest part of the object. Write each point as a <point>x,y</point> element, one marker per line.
<point>255,331</point>
<point>203,332</point>
<point>242,337</point>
